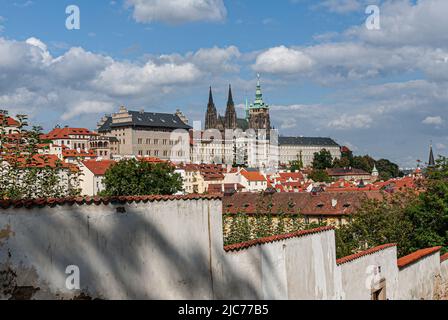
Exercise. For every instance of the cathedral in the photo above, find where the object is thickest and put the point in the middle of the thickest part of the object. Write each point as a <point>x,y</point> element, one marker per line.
<point>257,114</point>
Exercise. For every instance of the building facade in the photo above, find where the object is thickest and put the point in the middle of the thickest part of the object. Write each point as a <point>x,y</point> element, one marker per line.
<point>147,134</point>
<point>304,148</point>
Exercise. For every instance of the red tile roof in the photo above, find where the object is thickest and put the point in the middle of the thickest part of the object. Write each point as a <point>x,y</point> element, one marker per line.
<point>364,253</point>
<point>65,133</point>
<point>297,234</point>
<point>6,204</point>
<point>325,204</point>
<point>98,168</point>
<point>444,257</point>
<point>66,153</point>
<point>291,175</point>
<point>228,187</point>
<point>414,257</point>
<point>10,122</point>
<point>39,161</point>
<point>253,175</point>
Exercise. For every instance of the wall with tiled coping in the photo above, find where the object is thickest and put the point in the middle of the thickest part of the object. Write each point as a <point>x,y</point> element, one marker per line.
<point>172,248</point>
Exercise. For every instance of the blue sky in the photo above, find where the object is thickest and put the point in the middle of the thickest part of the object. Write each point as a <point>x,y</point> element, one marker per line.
<point>382,92</point>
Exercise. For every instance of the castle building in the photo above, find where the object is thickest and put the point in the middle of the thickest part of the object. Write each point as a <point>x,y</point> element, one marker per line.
<point>249,147</point>
<point>229,121</point>
<point>147,134</point>
<point>258,112</point>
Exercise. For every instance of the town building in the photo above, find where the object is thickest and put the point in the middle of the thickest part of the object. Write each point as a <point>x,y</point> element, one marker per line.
<point>351,174</point>
<point>303,148</point>
<point>8,124</point>
<point>91,181</point>
<point>147,134</point>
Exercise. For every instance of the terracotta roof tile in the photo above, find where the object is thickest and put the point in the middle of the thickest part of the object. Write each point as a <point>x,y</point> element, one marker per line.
<point>98,168</point>
<point>297,234</point>
<point>444,257</point>
<point>364,253</point>
<point>414,257</point>
<point>325,204</point>
<point>253,175</point>
<point>31,203</point>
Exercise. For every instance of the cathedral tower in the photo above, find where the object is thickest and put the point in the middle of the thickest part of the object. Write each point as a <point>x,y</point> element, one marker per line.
<point>230,117</point>
<point>259,117</point>
<point>211,117</point>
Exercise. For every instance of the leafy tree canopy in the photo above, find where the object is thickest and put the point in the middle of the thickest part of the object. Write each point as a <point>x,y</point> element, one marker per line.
<point>139,178</point>
<point>322,160</point>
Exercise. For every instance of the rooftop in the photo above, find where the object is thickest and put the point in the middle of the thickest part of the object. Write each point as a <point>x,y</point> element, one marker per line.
<point>416,256</point>
<point>307,141</point>
<point>146,119</point>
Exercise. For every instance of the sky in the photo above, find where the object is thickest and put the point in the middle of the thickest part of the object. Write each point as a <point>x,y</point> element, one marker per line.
<point>382,92</point>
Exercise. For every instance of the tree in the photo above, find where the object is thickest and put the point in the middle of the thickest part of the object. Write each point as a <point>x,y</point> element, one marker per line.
<point>139,178</point>
<point>412,220</point>
<point>297,165</point>
<point>387,169</point>
<point>24,173</point>
<point>322,160</point>
<point>320,176</point>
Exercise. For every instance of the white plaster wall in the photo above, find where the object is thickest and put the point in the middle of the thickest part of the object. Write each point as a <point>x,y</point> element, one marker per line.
<point>297,268</point>
<point>361,276</point>
<point>418,280</point>
<point>158,250</point>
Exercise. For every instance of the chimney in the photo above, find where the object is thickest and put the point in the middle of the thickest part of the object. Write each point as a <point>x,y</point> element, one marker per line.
<point>334,203</point>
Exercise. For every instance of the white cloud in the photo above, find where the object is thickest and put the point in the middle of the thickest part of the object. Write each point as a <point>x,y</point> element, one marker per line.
<point>88,107</point>
<point>177,11</point>
<point>282,60</point>
<point>217,59</point>
<point>405,23</point>
<point>80,82</point>
<point>441,146</point>
<point>344,122</point>
<point>437,120</point>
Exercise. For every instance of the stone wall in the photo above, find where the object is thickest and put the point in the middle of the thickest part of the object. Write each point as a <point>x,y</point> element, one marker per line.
<point>172,248</point>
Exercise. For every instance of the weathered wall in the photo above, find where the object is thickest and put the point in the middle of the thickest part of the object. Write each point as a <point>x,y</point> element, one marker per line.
<point>419,280</point>
<point>156,250</point>
<point>296,268</point>
<point>443,290</point>
<point>173,249</point>
<point>362,276</point>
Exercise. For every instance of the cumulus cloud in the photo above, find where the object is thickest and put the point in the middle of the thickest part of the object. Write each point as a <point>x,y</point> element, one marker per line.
<point>404,22</point>
<point>344,122</point>
<point>80,82</point>
<point>437,120</point>
<point>87,107</point>
<point>282,60</point>
<point>177,11</point>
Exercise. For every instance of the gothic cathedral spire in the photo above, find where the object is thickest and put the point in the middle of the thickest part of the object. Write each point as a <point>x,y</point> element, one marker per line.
<point>211,117</point>
<point>230,117</point>
<point>432,162</point>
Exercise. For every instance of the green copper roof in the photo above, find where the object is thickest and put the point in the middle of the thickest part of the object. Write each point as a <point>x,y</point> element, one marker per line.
<point>258,103</point>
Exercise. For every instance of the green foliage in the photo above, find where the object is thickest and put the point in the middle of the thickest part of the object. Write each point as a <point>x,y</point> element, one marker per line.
<point>320,176</point>
<point>386,168</point>
<point>139,178</point>
<point>19,180</point>
<point>322,160</point>
<point>297,165</point>
<point>413,221</point>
